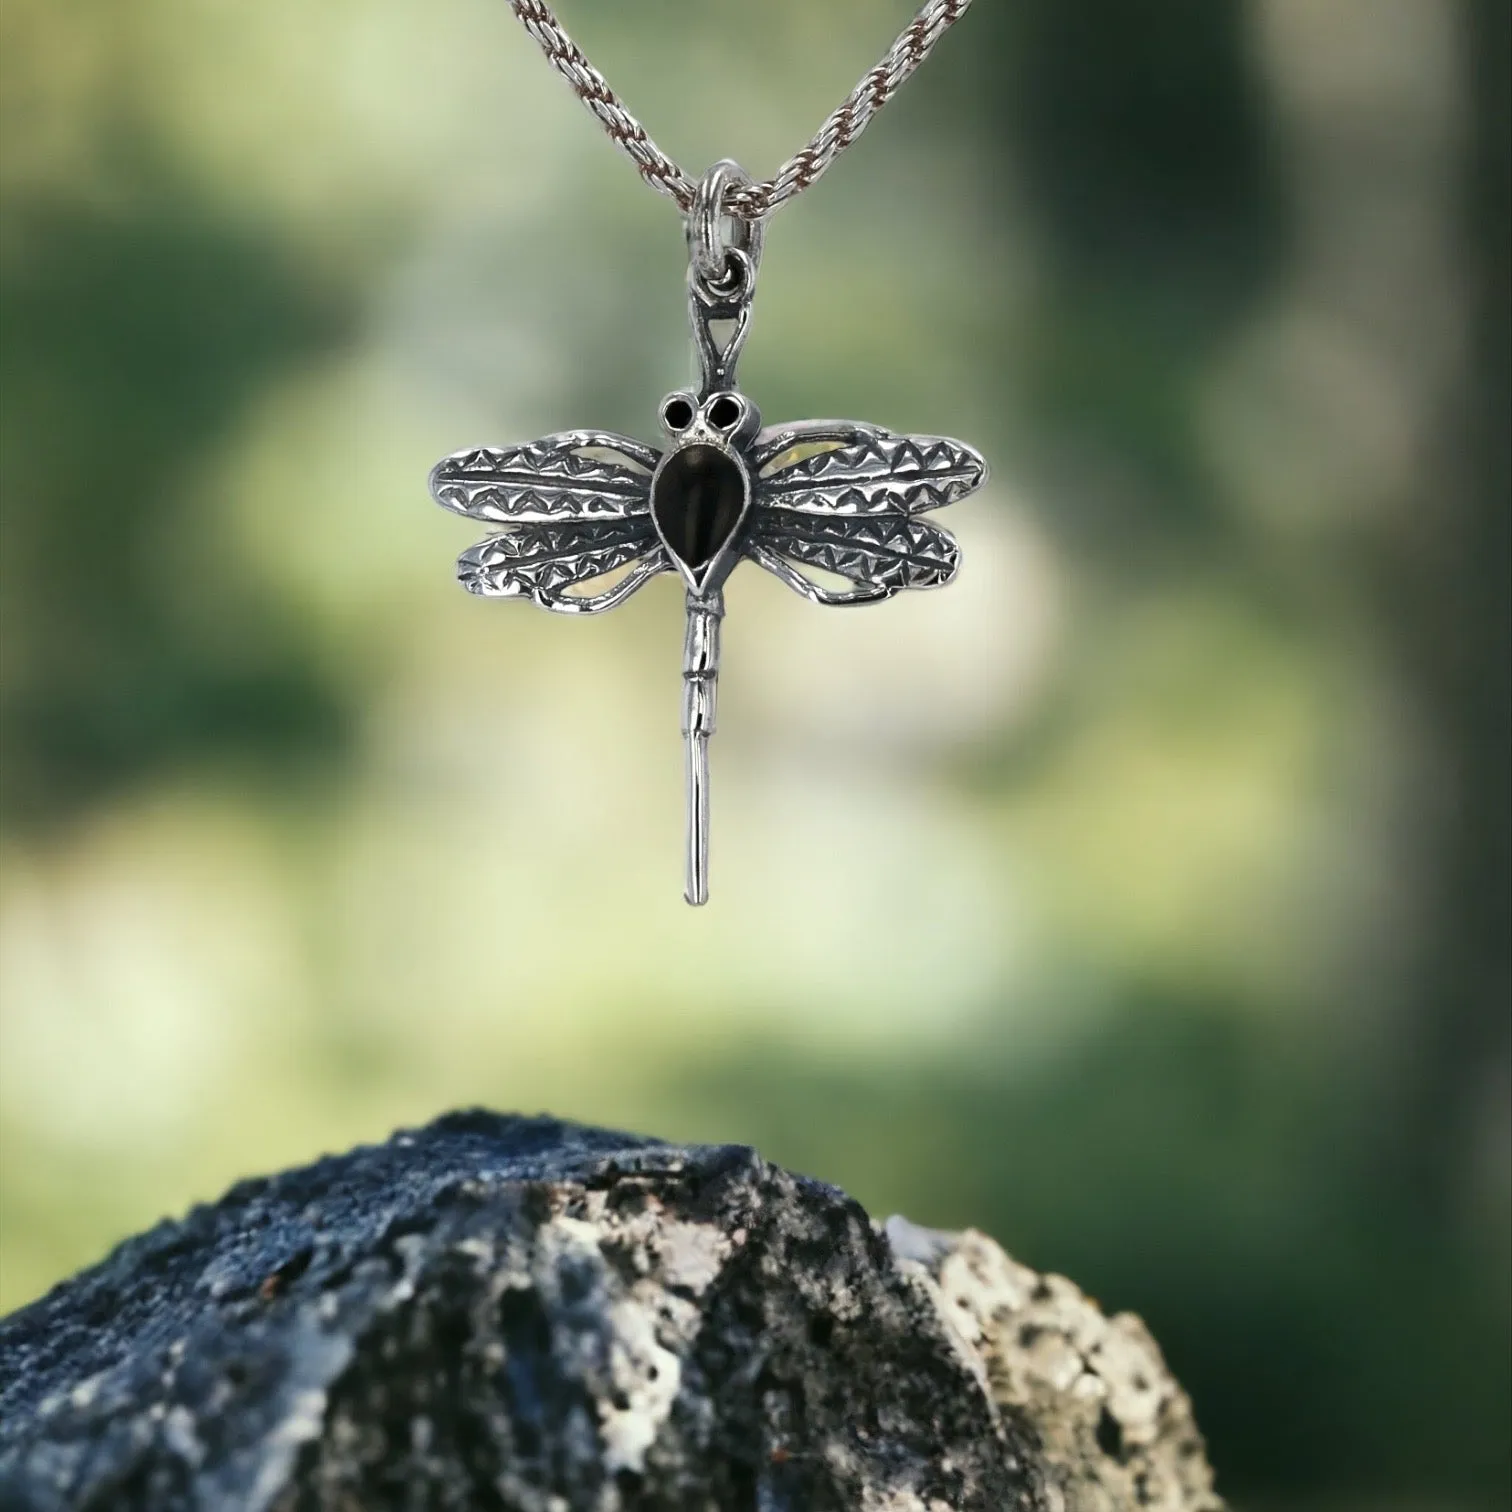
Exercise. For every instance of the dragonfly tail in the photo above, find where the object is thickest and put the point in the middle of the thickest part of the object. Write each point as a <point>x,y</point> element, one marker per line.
<point>700,687</point>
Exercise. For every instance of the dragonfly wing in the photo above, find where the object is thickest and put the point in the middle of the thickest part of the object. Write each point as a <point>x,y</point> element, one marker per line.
<point>879,554</point>
<point>846,468</point>
<point>544,562</point>
<point>573,475</point>
<point>815,593</point>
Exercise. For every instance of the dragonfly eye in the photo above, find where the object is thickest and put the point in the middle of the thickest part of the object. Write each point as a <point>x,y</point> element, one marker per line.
<point>725,412</point>
<point>677,413</point>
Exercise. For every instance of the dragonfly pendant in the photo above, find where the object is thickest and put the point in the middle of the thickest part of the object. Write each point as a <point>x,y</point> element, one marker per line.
<point>585,518</point>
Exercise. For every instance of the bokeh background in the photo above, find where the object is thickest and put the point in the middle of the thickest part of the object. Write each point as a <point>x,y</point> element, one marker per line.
<point>1142,900</point>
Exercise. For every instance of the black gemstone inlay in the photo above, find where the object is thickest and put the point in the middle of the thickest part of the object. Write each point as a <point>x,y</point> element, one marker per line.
<point>697,499</point>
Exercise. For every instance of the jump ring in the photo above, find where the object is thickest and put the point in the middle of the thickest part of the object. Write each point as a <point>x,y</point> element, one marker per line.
<point>735,283</point>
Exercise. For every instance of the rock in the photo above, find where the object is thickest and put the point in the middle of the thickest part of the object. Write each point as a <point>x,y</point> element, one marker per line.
<point>530,1316</point>
<point>1115,1429</point>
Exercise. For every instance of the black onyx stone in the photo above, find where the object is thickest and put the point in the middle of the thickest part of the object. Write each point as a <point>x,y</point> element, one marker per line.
<point>697,501</point>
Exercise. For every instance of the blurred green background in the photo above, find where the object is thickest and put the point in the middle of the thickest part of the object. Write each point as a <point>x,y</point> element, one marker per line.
<point>1142,900</point>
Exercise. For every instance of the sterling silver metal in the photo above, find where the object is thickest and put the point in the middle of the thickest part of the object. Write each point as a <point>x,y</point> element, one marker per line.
<point>753,201</point>
<point>834,496</point>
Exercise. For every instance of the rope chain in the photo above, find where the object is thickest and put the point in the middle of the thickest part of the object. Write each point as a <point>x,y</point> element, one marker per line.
<point>751,202</point>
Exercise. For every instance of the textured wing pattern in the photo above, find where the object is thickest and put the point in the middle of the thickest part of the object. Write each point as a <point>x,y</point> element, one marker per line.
<point>542,562</point>
<point>846,498</point>
<point>881,551</point>
<point>869,472</point>
<point>560,477</point>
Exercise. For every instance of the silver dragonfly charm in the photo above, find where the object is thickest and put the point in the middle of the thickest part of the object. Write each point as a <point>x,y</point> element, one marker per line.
<point>837,496</point>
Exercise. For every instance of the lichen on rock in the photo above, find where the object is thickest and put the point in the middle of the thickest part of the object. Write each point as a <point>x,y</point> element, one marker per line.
<point>1115,1427</point>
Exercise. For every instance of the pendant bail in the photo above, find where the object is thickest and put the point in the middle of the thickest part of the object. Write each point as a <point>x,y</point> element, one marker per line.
<point>722,266</point>
<point>721,275</point>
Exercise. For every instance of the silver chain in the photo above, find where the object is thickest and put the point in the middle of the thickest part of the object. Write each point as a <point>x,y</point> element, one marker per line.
<point>751,202</point>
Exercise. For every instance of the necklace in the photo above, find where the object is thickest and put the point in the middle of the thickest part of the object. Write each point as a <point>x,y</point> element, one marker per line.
<point>837,496</point>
